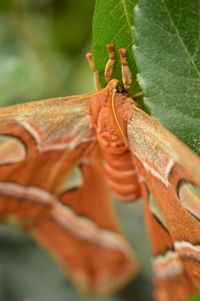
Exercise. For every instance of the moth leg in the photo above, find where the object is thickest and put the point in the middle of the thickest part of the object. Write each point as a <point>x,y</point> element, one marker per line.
<point>126,72</point>
<point>95,72</point>
<point>110,63</point>
<point>138,95</point>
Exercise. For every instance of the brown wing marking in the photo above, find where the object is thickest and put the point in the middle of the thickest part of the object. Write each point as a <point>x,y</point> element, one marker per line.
<point>170,275</point>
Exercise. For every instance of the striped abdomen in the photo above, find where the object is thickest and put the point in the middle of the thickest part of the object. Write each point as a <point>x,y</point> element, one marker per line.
<point>121,175</point>
<point>110,113</point>
<point>118,167</point>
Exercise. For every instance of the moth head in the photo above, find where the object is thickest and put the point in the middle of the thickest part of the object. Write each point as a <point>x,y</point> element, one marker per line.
<point>120,89</point>
<point>114,86</point>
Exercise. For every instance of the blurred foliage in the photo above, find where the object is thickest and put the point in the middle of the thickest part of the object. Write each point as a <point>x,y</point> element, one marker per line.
<point>42,48</point>
<point>194,298</point>
<point>42,54</point>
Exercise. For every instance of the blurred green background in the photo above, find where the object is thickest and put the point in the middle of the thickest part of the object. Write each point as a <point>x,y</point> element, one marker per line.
<point>43,45</point>
<point>42,54</point>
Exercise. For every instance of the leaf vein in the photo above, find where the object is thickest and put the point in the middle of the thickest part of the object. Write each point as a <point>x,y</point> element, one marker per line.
<point>198,40</point>
<point>128,19</point>
<point>180,38</point>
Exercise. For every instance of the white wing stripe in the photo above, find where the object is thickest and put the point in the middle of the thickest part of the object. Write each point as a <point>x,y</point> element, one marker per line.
<point>168,265</point>
<point>28,193</point>
<point>187,250</point>
<point>83,228</point>
<point>55,146</point>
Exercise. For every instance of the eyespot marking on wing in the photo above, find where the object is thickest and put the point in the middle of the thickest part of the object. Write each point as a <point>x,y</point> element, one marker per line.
<point>189,195</point>
<point>12,149</point>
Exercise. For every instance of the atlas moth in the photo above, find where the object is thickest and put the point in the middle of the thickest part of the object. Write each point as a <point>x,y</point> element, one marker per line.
<point>114,145</point>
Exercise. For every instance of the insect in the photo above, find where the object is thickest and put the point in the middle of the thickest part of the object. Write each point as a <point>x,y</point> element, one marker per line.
<point>110,142</point>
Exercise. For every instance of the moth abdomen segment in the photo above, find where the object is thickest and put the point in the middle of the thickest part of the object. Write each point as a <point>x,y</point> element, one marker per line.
<point>121,176</point>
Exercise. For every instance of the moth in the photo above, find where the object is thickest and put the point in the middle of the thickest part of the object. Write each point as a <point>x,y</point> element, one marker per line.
<point>113,145</point>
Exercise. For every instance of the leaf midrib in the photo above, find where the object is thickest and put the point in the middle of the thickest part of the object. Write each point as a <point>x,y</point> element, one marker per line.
<point>127,19</point>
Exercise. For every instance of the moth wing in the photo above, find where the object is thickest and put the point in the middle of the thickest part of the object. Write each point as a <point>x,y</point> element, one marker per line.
<point>169,272</point>
<point>41,143</point>
<point>98,257</point>
<point>172,174</point>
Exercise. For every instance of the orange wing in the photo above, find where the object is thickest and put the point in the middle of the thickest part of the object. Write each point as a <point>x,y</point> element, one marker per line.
<point>169,272</point>
<point>41,144</point>
<point>171,173</point>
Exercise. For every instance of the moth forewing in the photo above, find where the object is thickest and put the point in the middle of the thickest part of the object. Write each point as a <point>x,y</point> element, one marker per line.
<point>49,138</point>
<point>158,149</point>
<point>168,268</point>
<point>171,172</point>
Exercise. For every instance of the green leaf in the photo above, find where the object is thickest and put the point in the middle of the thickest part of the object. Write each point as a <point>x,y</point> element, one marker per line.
<point>168,59</point>
<point>112,23</point>
<point>194,298</point>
